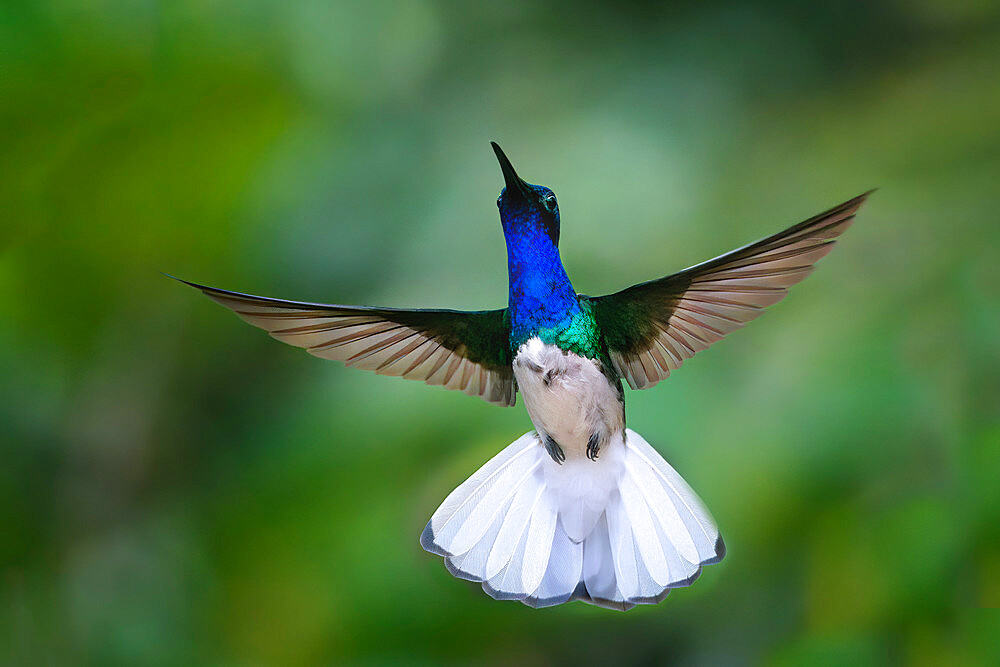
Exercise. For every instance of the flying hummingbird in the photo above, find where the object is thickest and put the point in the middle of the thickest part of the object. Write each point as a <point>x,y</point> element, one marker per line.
<point>581,508</point>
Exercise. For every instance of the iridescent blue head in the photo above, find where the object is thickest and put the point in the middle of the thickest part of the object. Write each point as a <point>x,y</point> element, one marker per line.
<point>541,296</point>
<point>525,207</point>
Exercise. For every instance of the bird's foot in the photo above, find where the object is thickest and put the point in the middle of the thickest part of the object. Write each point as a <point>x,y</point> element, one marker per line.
<point>593,447</point>
<point>554,450</point>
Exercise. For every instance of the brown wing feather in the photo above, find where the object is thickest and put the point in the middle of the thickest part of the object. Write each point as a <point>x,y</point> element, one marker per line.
<point>653,327</point>
<point>466,351</point>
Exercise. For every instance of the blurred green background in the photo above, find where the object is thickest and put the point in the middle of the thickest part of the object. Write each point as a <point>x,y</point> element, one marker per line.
<point>178,488</point>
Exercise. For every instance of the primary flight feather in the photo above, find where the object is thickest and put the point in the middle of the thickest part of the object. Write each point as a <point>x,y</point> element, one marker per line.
<point>581,507</point>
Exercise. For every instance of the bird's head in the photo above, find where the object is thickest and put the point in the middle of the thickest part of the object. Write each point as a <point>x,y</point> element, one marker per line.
<point>525,207</point>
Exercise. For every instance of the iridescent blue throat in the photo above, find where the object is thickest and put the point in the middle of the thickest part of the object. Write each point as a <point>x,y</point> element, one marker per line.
<point>542,299</point>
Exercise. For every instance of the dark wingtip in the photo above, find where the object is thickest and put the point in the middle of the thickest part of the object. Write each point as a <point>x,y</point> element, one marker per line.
<point>181,280</point>
<point>865,195</point>
<point>856,202</point>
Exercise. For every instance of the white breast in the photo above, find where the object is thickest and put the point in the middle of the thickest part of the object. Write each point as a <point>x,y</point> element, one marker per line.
<point>567,396</point>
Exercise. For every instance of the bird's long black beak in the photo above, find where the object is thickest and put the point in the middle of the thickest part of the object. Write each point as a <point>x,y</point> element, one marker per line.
<point>515,186</point>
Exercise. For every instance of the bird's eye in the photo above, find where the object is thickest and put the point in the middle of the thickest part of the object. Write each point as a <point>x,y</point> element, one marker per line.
<point>499,199</point>
<point>550,203</point>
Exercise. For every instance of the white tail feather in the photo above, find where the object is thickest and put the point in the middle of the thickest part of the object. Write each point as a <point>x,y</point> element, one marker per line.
<point>617,532</point>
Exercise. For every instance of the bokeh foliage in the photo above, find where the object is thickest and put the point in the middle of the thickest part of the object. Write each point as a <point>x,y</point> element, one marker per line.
<point>178,488</point>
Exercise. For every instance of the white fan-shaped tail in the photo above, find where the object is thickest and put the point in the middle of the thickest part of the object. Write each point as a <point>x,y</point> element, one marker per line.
<point>615,532</point>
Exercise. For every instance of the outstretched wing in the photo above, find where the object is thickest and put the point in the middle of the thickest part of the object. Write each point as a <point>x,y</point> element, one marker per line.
<point>652,327</point>
<point>468,351</point>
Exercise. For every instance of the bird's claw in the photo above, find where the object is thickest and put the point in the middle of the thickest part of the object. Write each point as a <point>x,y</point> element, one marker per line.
<point>554,450</point>
<point>593,447</point>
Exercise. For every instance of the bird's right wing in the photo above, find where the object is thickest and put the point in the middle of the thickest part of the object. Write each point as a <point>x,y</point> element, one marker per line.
<point>652,327</point>
<point>464,350</point>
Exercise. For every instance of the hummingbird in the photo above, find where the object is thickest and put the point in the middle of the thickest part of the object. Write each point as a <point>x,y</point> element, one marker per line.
<point>581,507</point>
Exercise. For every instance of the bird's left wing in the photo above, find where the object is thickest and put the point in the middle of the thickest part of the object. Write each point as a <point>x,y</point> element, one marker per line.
<point>464,350</point>
<point>652,327</point>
